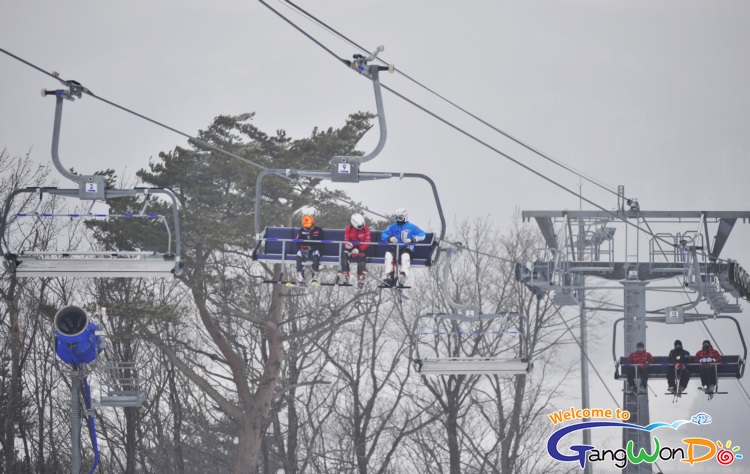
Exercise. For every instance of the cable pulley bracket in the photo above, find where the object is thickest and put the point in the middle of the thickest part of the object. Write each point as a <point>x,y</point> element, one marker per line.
<point>75,89</point>
<point>360,63</point>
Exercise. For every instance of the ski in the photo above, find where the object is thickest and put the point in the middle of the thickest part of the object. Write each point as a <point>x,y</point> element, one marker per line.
<point>397,290</point>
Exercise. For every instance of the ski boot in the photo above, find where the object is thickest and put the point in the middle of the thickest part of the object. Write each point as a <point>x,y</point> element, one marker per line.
<point>402,279</point>
<point>390,279</point>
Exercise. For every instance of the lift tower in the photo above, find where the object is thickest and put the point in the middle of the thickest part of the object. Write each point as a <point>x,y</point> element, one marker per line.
<point>580,244</point>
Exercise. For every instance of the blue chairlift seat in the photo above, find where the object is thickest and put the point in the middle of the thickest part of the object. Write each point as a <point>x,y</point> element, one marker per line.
<point>731,366</point>
<point>277,246</point>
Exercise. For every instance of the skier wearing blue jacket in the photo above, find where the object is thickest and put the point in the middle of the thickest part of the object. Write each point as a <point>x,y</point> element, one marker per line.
<point>401,233</point>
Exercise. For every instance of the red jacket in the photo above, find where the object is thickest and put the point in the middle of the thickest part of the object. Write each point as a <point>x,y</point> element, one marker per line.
<point>352,234</point>
<point>705,355</point>
<point>641,358</point>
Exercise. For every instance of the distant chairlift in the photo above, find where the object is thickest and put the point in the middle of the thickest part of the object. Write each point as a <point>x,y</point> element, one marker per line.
<point>277,244</point>
<point>731,366</point>
<point>29,262</point>
<point>480,328</point>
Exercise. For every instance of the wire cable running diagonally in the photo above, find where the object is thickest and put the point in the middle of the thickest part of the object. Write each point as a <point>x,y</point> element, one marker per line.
<point>523,165</point>
<point>591,364</point>
<point>475,138</point>
<point>207,144</point>
<point>196,140</point>
<point>518,141</point>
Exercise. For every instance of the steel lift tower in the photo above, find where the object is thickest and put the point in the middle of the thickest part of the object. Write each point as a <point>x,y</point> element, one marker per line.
<point>681,244</point>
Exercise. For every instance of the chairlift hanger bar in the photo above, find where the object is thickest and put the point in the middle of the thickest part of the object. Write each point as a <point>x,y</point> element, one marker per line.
<point>346,168</point>
<point>462,109</point>
<point>196,140</point>
<point>688,318</point>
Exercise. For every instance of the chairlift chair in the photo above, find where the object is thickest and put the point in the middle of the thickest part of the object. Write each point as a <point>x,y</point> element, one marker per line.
<point>32,263</point>
<point>479,364</point>
<point>276,244</point>
<point>731,366</point>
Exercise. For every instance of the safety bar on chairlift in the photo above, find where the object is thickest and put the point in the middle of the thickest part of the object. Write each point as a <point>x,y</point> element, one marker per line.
<point>688,319</point>
<point>109,193</point>
<point>477,317</point>
<point>327,175</point>
<point>331,241</point>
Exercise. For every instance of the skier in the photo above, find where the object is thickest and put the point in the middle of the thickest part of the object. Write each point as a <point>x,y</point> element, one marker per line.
<point>708,357</point>
<point>678,357</point>
<point>356,232</point>
<point>399,233</point>
<point>308,250</point>
<point>641,360</point>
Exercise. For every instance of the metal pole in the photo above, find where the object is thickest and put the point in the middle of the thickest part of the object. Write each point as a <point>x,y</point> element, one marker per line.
<point>56,141</point>
<point>637,403</point>
<point>76,376</point>
<point>581,280</point>
<point>585,401</point>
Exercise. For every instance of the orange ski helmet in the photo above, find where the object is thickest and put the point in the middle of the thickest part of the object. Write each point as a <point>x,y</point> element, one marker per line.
<point>308,221</point>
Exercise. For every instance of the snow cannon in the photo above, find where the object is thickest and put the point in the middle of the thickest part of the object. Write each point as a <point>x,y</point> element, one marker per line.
<point>76,341</point>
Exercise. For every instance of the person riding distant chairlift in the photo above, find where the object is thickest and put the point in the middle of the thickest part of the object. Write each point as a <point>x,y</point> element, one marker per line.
<point>402,234</point>
<point>678,357</point>
<point>308,250</point>
<point>708,358</point>
<point>356,232</point>
<point>643,360</point>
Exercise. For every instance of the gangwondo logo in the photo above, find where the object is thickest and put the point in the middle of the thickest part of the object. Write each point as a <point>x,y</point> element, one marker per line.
<point>696,450</point>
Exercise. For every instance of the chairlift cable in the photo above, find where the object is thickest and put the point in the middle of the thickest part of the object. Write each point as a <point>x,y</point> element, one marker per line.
<point>747,395</point>
<point>340,35</point>
<point>526,167</point>
<point>463,247</point>
<point>397,94</point>
<point>185,135</point>
<point>585,354</point>
<point>476,139</point>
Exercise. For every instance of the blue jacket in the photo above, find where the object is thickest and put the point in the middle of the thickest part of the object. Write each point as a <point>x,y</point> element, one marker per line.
<point>407,230</point>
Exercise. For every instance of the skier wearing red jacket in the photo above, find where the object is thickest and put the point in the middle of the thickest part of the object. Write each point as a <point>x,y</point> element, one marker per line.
<point>356,232</point>
<point>641,360</point>
<point>708,358</point>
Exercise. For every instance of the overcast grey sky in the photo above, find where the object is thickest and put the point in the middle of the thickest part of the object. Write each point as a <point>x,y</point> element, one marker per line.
<point>651,95</point>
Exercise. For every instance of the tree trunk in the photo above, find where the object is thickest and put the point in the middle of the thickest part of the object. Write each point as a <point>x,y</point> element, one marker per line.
<point>14,392</point>
<point>176,422</point>
<point>256,409</point>
<point>512,431</point>
<point>451,427</point>
<point>292,421</point>
<point>130,439</point>
<point>360,443</point>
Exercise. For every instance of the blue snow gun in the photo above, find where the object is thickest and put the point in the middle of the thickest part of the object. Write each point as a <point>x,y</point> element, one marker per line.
<point>76,341</point>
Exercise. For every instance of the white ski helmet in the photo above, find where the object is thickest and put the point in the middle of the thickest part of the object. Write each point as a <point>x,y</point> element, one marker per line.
<point>358,221</point>
<point>402,215</point>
